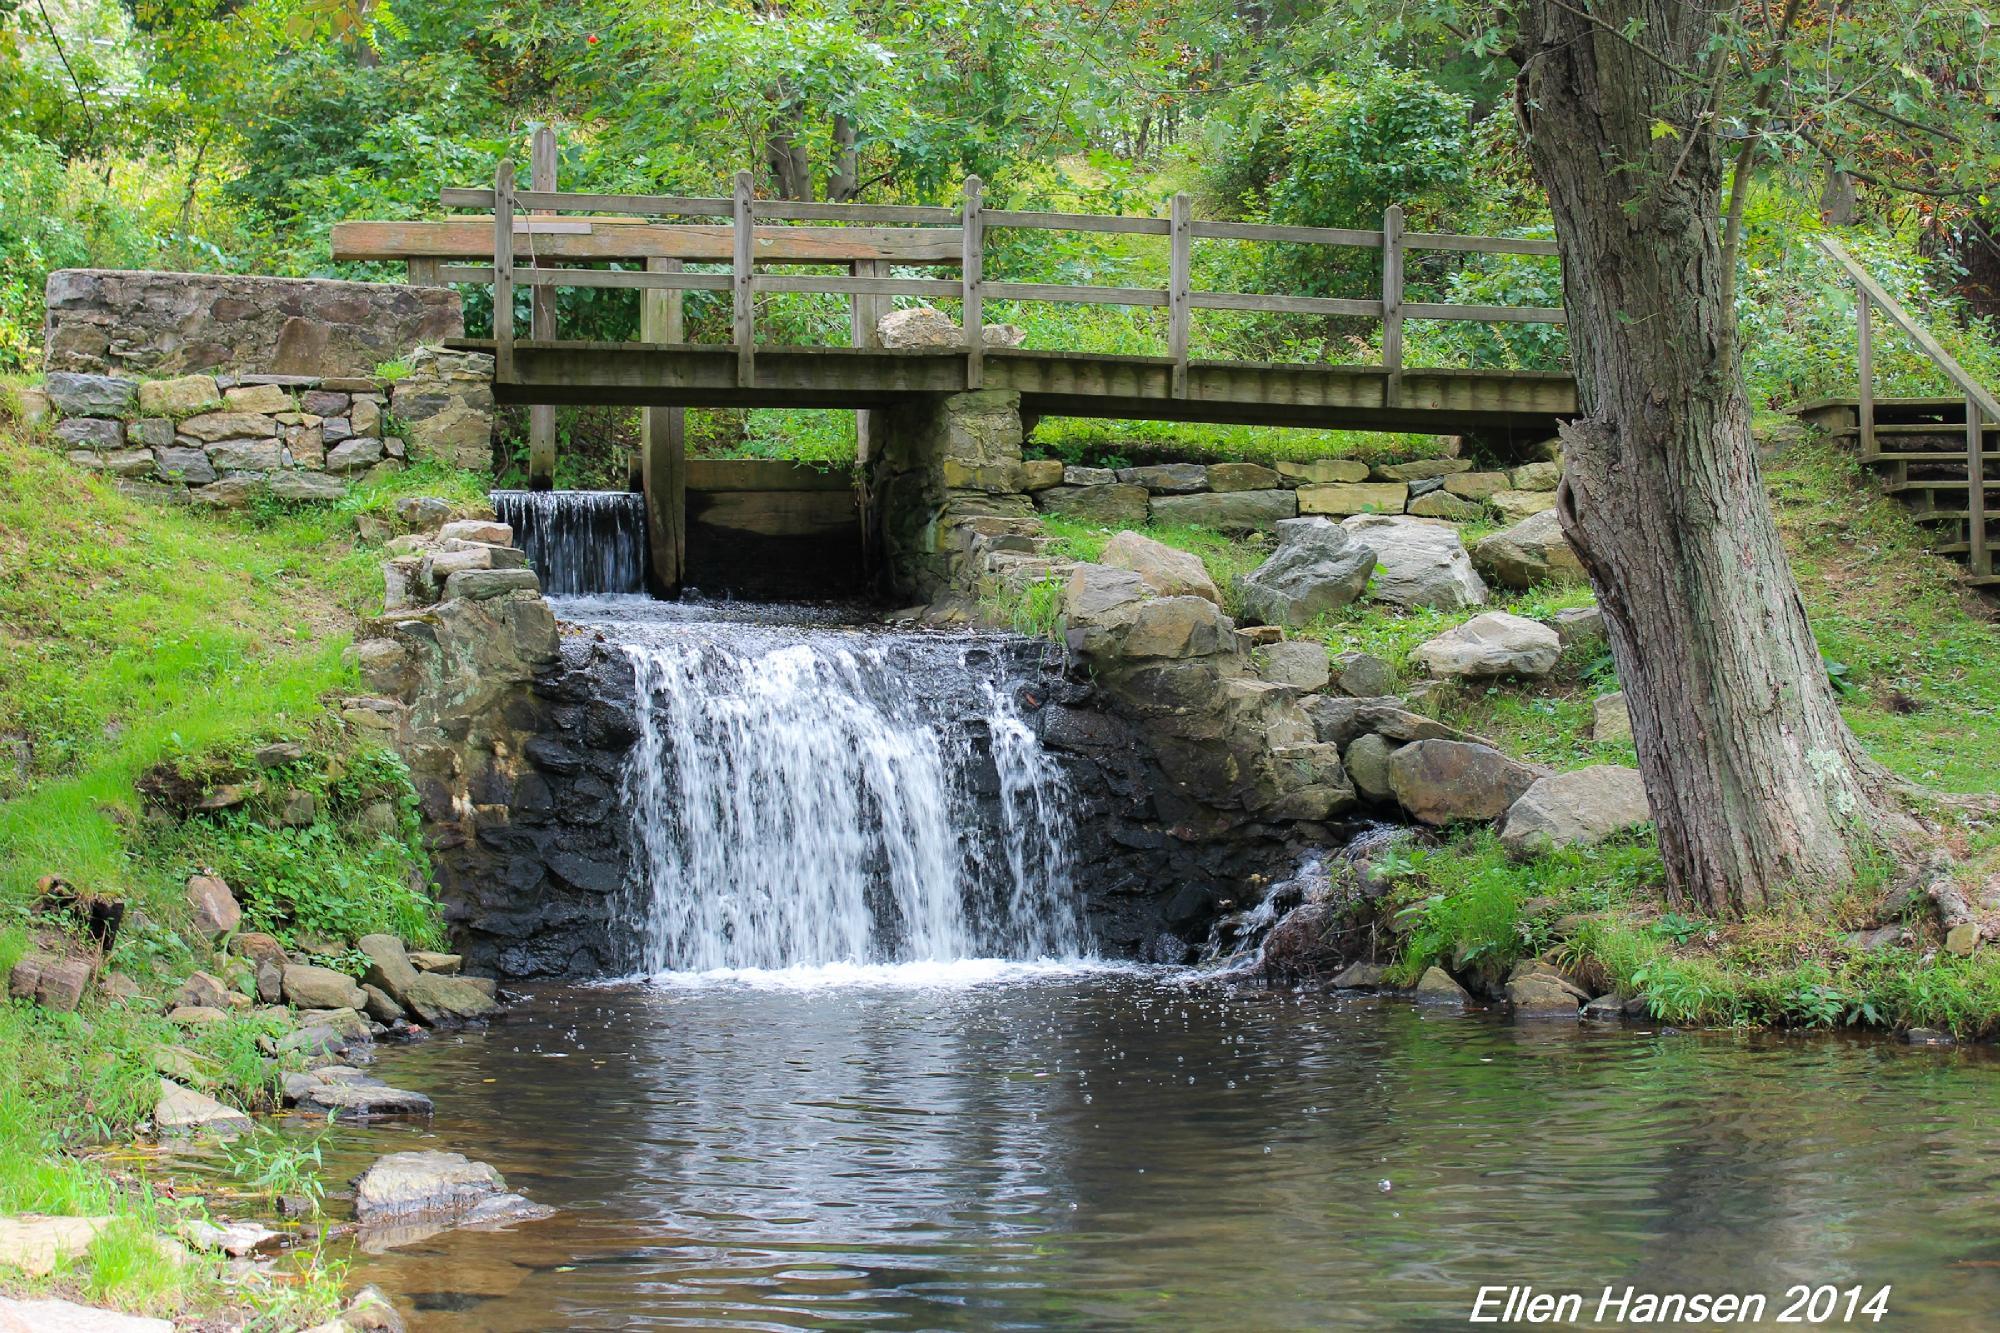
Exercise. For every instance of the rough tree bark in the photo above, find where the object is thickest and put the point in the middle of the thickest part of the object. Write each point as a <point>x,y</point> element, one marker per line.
<point>1761,793</point>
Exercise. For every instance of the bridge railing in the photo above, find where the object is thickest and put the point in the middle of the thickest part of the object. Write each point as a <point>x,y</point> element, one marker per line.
<point>520,216</point>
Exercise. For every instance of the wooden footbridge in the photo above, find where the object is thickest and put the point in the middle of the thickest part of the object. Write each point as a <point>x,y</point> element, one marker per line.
<point>1933,453</point>
<point>745,247</point>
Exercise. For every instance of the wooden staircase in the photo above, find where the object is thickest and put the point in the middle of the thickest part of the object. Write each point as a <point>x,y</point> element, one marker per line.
<point>1936,454</point>
<point>1917,450</point>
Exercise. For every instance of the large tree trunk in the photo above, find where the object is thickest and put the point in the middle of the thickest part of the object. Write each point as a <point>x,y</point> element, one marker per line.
<point>1760,791</point>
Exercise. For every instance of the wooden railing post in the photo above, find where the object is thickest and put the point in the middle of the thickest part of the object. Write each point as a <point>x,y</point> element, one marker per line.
<point>972,223</point>
<point>1864,365</point>
<point>1180,282</point>
<point>866,311</point>
<point>503,272</point>
<point>744,294</point>
<point>1392,304</point>
<point>541,321</point>
<point>663,442</point>
<point>1977,555</point>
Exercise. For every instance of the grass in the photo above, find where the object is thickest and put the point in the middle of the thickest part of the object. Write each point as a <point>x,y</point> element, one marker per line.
<point>135,634</point>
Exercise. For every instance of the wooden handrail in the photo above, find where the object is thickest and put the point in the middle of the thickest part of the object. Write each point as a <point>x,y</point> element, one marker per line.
<point>1874,293</point>
<point>969,223</point>
<point>1980,404</point>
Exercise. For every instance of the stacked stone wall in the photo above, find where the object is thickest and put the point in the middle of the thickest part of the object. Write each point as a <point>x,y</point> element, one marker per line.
<point>1245,497</point>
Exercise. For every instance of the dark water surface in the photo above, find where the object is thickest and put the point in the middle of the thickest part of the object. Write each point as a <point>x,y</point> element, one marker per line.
<point>1122,1150</point>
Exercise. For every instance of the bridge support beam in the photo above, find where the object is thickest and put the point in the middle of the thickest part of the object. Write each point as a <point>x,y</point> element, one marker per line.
<point>663,447</point>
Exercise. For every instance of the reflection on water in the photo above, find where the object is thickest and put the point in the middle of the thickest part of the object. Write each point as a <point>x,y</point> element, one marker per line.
<point>1119,1149</point>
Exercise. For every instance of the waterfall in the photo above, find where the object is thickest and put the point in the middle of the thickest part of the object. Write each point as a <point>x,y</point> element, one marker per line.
<point>580,542</point>
<point>823,794</point>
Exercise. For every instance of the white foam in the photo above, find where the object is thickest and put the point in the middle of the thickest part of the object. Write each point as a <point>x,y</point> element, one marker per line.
<point>939,974</point>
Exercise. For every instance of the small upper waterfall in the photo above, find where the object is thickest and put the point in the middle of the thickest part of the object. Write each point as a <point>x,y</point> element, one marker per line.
<point>818,794</point>
<point>580,542</point>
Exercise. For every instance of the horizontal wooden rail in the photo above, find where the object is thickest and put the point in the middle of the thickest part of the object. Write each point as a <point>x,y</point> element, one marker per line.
<point>933,230</point>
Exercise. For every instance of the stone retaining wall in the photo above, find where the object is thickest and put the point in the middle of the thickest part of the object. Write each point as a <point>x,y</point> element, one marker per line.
<point>227,438</point>
<point>139,322</point>
<point>1245,497</point>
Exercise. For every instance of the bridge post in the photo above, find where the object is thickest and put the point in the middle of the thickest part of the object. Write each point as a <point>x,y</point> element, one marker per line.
<point>542,321</point>
<point>503,272</point>
<point>865,314</point>
<point>1180,242</point>
<point>663,444</point>
<point>742,290</point>
<point>1392,304</point>
<point>972,226</point>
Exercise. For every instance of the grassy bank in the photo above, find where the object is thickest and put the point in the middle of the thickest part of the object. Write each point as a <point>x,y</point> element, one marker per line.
<point>144,638</point>
<point>1916,661</point>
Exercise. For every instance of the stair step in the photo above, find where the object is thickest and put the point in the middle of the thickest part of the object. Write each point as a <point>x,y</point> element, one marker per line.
<point>1955,484</point>
<point>1952,428</point>
<point>1940,457</point>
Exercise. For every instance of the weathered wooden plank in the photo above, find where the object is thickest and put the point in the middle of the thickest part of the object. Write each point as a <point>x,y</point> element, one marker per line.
<point>1052,291</point>
<point>1490,245</point>
<point>1283,305</point>
<point>595,277</point>
<point>1485,314</point>
<point>795,211</point>
<point>1439,401</point>
<point>632,239</point>
<point>1094,222</point>
<point>1258,231</point>
<point>1864,366</point>
<point>871,286</point>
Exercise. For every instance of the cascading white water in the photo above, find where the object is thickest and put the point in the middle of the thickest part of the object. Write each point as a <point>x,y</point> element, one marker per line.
<point>581,543</point>
<point>805,795</point>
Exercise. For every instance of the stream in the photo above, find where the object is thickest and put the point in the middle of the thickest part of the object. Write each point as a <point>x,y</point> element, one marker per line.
<point>982,1145</point>
<point>867,1071</point>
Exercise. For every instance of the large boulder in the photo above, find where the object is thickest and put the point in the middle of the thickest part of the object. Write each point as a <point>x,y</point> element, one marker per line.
<point>77,395</point>
<point>1241,477</point>
<point>406,1196</point>
<point>1318,567</point>
<point>1611,719</point>
<point>1444,782</point>
<point>1233,511</point>
<point>1099,605</point>
<point>1532,551</point>
<point>310,987</point>
<point>212,907</point>
<point>1299,663</point>
<point>182,1111</point>
<point>441,1001</point>
<point>1420,562</point>
<point>51,1315</point>
<point>1494,644</point>
<point>1167,571</point>
<point>1116,505</point>
<point>389,967</point>
<point>1167,478</point>
<point>1176,627</point>
<point>1578,808</point>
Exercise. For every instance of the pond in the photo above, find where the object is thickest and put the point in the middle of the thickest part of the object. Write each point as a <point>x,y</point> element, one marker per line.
<point>983,1145</point>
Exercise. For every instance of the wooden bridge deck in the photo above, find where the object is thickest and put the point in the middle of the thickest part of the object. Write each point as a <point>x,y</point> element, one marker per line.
<point>1445,402</point>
